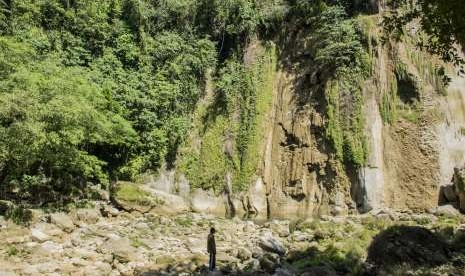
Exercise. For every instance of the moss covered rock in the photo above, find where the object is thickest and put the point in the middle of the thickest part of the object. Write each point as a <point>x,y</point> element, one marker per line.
<point>132,197</point>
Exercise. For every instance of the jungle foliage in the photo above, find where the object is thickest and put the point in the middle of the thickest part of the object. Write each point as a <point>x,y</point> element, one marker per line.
<point>441,21</point>
<point>93,91</point>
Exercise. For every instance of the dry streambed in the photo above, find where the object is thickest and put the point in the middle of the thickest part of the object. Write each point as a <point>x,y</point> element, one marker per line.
<point>105,241</point>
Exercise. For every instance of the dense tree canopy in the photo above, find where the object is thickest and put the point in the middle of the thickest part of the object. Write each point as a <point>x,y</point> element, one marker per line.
<point>93,90</point>
<point>442,21</point>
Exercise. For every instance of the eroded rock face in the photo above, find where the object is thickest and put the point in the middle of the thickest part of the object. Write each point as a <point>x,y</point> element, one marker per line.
<point>300,171</point>
<point>298,174</point>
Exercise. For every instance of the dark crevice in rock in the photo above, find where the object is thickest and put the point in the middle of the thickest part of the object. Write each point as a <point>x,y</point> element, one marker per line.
<point>292,142</point>
<point>295,190</point>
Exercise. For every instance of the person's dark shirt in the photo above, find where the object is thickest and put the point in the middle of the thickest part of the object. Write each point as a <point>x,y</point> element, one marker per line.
<point>211,245</point>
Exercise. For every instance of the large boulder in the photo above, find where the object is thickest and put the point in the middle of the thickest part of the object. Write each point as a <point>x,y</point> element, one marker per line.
<point>196,245</point>
<point>454,193</point>
<point>446,210</point>
<point>98,268</point>
<point>270,244</point>
<point>63,221</point>
<point>108,211</point>
<point>89,216</point>
<point>172,204</point>
<point>270,262</point>
<point>280,227</point>
<point>38,235</point>
<point>202,201</point>
<point>121,249</point>
<point>406,245</point>
<point>48,229</point>
<point>244,254</point>
<point>47,250</point>
<point>133,197</point>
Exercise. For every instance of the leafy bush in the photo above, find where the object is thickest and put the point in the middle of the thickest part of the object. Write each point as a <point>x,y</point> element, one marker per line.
<point>12,251</point>
<point>19,214</point>
<point>95,90</point>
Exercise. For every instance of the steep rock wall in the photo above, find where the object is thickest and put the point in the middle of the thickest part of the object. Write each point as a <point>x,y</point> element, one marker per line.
<point>414,149</point>
<point>414,128</point>
<point>300,172</point>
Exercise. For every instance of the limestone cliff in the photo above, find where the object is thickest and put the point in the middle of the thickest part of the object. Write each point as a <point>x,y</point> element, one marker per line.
<point>412,128</point>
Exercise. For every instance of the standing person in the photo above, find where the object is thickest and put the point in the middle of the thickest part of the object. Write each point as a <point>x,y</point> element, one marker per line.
<point>211,248</point>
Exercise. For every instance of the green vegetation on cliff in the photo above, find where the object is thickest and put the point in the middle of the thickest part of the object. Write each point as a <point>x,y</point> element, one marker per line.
<point>441,21</point>
<point>232,127</point>
<point>96,91</point>
<point>99,90</point>
<point>341,50</point>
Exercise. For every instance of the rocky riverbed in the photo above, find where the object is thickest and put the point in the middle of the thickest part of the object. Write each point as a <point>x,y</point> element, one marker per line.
<point>102,240</point>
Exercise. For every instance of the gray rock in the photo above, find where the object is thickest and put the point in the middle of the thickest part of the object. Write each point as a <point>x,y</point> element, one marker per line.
<point>447,210</point>
<point>196,245</point>
<point>3,223</point>
<point>108,211</point>
<point>270,244</point>
<point>63,221</point>
<point>269,262</point>
<point>97,269</point>
<point>257,252</point>
<point>48,267</point>
<point>224,258</point>
<point>252,265</point>
<point>52,247</point>
<point>89,216</point>
<point>280,227</point>
<point>299,236</point>
<point>244,254</point>
<point>38,235</point>
<point>249,226</point>
<point>49,229</point>
<point>449,193</point>
<point>121,249</point>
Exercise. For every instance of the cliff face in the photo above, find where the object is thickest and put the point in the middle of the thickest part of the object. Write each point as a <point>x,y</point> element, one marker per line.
<point>413,128</point>
<point>300,170</point>
<point>414,153</point>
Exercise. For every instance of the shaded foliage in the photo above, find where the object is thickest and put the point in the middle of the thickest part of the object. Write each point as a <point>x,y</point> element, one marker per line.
<point>441,21</point>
